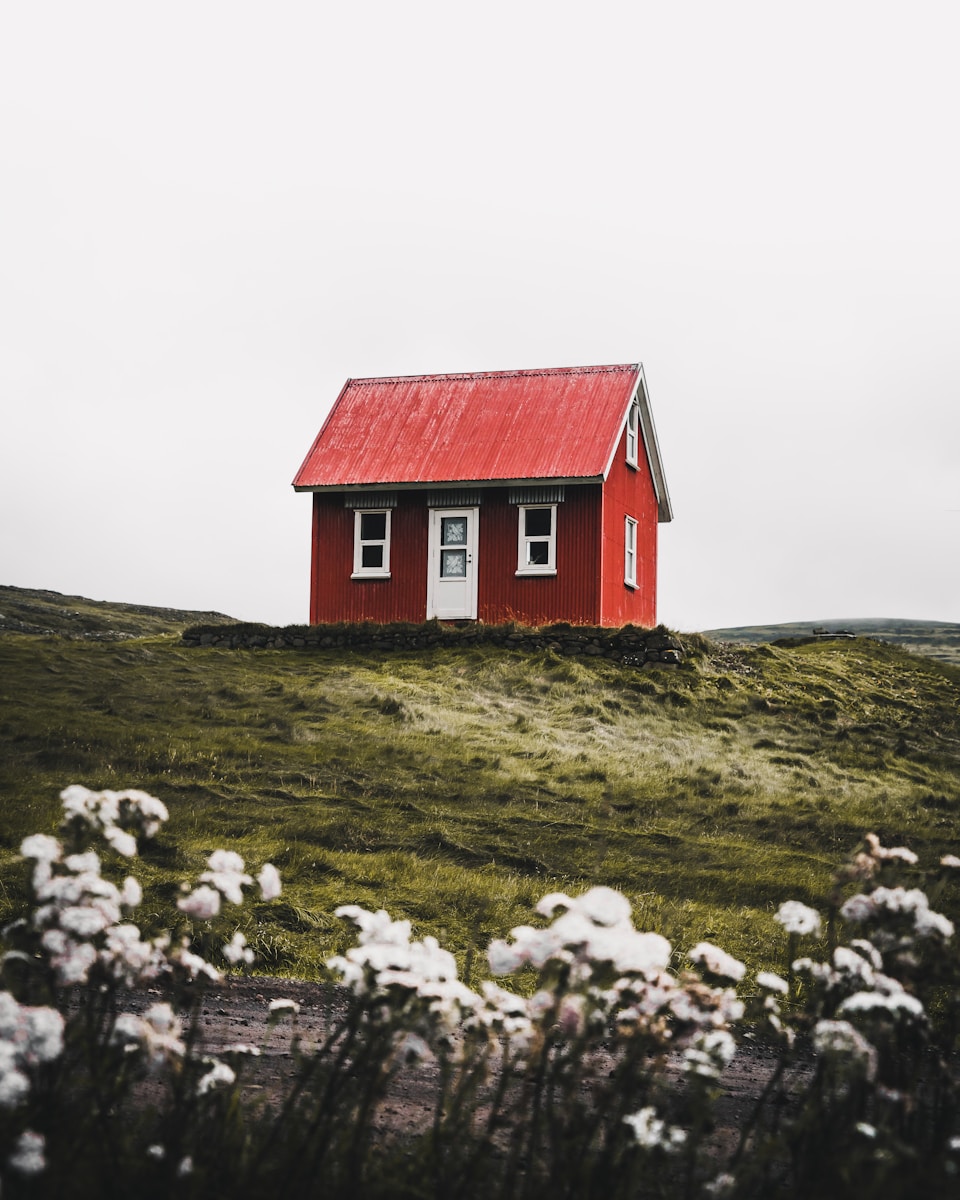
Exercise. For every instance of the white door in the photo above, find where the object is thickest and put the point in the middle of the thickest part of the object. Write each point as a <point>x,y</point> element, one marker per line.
<point>452,564</point>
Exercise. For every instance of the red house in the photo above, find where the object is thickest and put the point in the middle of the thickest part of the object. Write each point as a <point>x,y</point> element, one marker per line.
<point>531,496</point>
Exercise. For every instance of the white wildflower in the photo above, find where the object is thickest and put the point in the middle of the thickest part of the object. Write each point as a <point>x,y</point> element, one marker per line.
<point>866,1129</point>
<point>127,957</point>
<point>185,1166</point>
<point>158,1032</point>
<point>948,860</point>
<point>202,904</point>
<point>87,863</point>
<point>891,853</point>
<point>70,960</point>
<point>156,1151</point>
<point>43,1034</point>
<point>771,982</point>
<point>83,922</point>
<point>237,950</point>
<point>893,1004</point>
<point>219,1075</point>
<point>503,958</point>
<point>721,1185</point>
<point>928,923</point>
<point>142,810</point>
<point>27,1157</point>
<point>868,951</point>
<point>798,918</point>
<point>709,1053</point>
<point>14,1088</point>
<point>227,874</point>
<point>604,906</point>
<point>193,964</point>
<point>652,1133</point>
<point>123,842</point>
<point>282,1005</point>
<point>841,1039</point>
<point>717,961</point>
<point>375,927</point>
<point>131,893</point>
<point>549,904</point>
<point>41,847</point>
<point>269,881</point>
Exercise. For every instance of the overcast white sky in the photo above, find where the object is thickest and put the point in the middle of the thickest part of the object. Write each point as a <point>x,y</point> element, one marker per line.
<point>212,214</point>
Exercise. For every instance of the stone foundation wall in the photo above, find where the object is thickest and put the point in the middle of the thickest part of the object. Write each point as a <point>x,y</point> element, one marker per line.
<point>628,644</point>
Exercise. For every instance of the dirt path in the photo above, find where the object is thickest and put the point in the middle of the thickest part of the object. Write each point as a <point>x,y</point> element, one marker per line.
<point>237,1011</point>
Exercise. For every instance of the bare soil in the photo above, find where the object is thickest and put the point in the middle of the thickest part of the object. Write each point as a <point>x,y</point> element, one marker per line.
<point>237,1011</point>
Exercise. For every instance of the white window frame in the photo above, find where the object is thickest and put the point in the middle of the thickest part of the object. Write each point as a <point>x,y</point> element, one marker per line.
<point>359,570</point>
<point>633,435</point>
<point>524,566</point>
<point>630,552</point>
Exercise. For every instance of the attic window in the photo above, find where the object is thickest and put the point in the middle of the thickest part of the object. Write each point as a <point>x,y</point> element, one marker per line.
<point>371,543</point>
<point>633,434</point>
<point>537,539</point>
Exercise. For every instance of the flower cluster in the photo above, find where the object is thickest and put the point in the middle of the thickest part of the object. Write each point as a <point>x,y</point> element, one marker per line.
<point>78,930</point>
<point>653,1133</point>
<point>876,907</point>
<point>29,1036</point>
<point>79,916</point>
<point>226,877</point>
<point>120,817</point>
<point>413,983</point>
<point>798,919</point>
<point>158,1034</point>
<point>616,977</point>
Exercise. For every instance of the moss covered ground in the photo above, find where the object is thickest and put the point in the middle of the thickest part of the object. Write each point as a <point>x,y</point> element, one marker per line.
<point>456,786</point>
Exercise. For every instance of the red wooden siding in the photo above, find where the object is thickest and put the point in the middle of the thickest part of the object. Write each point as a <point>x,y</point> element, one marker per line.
<point>629,492</point>
<point>334,596</point>
<point>573,594</point>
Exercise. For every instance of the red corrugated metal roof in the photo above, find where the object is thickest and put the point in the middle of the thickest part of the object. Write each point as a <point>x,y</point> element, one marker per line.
<point>561,423</point>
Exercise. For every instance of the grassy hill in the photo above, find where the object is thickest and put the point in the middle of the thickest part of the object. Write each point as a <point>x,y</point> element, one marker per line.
<point>937,639</point>
<point>31,610</point>
<point>456,786</point>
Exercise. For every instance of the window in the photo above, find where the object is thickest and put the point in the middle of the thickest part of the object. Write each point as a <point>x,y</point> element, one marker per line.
<point>537,544</point>
<point>630,552</point>
<point>371,544</point>
<point>633,433</point>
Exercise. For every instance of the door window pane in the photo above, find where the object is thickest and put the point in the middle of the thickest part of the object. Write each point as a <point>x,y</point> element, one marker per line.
<point>453,531</point>
<point>453,564</point>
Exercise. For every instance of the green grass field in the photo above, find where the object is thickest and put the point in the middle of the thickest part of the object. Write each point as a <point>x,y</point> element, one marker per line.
<point>457,786</point>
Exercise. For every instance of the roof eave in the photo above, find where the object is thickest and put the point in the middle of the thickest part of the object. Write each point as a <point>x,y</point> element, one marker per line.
<point>420,484</point>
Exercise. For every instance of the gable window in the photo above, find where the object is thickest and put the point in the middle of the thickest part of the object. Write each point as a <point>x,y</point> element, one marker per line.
<point>537,539</point>
<point>633,433</point>
<point>630,552</point>
<point>371,544</point>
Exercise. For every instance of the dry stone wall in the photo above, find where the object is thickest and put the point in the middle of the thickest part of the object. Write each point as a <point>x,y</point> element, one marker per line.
<point>629,644</point>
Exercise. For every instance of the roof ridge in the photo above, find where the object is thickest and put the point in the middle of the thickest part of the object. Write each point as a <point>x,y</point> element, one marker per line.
<point>513,374</point>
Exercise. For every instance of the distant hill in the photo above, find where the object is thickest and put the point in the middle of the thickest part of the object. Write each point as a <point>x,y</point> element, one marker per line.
<point>32,610</point>
<point>936,639</point>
